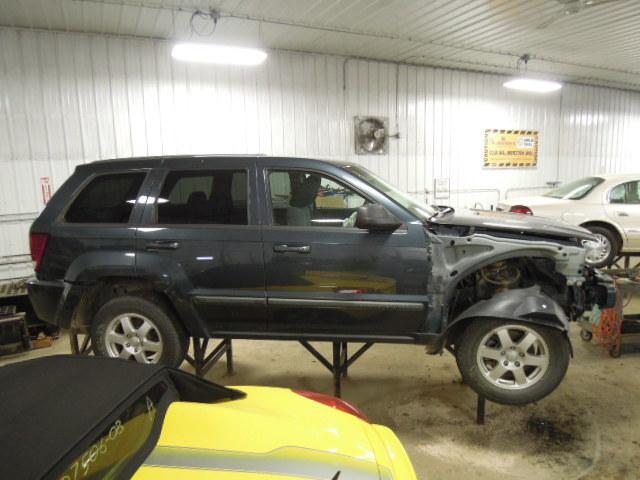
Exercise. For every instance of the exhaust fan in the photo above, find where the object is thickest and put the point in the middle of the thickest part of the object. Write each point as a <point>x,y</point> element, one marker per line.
<point>371,135</point>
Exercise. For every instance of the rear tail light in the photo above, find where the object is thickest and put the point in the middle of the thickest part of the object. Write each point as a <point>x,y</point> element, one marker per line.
<point>333,402</point>
<point>39,242</point>
<point>521,209</point>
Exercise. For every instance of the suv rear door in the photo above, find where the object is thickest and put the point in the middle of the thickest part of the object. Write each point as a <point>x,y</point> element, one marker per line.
<point>201,237</point>
<point>326,276</point>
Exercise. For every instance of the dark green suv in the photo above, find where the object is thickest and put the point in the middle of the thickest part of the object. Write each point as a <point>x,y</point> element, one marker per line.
<point>147,252</point>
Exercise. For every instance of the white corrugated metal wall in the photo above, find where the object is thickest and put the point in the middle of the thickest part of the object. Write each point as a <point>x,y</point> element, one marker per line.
<point>73,98</point>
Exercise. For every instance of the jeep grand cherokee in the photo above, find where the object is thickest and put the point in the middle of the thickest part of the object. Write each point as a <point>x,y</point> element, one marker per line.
<point>147,252</point>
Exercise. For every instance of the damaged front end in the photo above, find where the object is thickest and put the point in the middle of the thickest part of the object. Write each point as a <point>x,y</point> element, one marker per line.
<point>479,272</point>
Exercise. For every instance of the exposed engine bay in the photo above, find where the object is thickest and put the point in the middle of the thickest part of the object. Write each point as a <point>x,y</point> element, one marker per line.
<point>470,267</point>
<point>506,275</point>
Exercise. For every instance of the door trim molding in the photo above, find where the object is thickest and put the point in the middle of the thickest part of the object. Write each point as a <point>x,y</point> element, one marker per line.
<point>226,300</point>
<point>357,304</point>
<point>308,302</point>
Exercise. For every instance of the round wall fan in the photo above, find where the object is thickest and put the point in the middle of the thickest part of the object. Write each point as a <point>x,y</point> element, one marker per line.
<point>371,135</point>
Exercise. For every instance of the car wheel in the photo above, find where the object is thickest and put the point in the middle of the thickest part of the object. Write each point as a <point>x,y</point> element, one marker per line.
<point>608,249</point>
<point>135,328</point>
<point>512,363</point>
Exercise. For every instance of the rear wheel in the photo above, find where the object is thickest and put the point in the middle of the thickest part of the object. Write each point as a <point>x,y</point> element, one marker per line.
<point>134,328</point>
<point>607,250</point>
<point>512,363</point>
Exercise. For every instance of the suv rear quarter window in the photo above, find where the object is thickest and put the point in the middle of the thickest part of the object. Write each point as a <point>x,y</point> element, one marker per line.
<point>106,199</point>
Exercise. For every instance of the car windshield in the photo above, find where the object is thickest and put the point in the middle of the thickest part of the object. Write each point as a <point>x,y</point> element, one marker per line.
<point>110,452</point>
<point>421,210</point>
<point>575,190</point>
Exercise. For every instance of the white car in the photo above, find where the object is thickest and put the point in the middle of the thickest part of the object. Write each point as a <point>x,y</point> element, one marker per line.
<point>607,205</point>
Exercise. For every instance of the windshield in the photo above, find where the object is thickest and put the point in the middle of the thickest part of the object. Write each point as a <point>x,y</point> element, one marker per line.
<point>575,190</point>
<point>111,451</point>
<point>420,210</point>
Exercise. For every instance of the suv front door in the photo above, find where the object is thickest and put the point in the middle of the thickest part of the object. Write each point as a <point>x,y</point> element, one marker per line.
<point>200,232</point>
<point>324,275</point>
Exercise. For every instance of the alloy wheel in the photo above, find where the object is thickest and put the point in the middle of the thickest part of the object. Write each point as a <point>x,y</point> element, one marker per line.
<point>513,357</point>
<point>132,336</point>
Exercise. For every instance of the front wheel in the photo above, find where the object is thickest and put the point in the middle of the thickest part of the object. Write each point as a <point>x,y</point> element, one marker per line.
<point>512,363</point>
<point>138,329</point>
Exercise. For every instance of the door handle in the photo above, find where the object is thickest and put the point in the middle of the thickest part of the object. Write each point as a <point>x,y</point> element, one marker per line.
<point>287,248</point>
<point>162,245</point>
<point>622,214</point>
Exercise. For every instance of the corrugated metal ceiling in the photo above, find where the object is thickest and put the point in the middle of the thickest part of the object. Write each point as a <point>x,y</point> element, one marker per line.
<point>586,41</point>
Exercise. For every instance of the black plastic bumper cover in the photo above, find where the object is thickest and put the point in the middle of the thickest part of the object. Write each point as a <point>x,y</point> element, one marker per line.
<point>45,297</point>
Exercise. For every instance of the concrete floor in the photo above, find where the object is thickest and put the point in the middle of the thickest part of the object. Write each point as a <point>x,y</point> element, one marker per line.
<point>594,414</point>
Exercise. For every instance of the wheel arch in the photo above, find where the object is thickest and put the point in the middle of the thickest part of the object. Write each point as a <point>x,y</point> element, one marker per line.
<point>464,270</point>
<point>527,305</point>
<point>609,226</point>
<point>92,298</point>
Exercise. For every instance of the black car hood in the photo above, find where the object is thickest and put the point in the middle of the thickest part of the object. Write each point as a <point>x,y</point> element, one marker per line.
<point>514,223</point>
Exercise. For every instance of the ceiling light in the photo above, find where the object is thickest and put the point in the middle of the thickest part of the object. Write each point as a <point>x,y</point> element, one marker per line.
<point>218,54</point>
<point>532,85</point>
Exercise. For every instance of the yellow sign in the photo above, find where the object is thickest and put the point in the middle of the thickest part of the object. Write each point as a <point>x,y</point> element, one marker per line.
<point>510,148</point>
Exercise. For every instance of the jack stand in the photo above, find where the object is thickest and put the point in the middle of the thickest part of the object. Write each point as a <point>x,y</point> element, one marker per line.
<point>77,348</point>
<point>341,361</point>
<point>480,410</point>
<point>202,362</point>
<point>625,261</point>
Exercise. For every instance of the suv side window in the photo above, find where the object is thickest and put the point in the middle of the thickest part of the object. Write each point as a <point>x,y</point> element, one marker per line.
<point>106,199</point>
<point>628,193</point>
<point>300,198</point>
<point>204,197</point>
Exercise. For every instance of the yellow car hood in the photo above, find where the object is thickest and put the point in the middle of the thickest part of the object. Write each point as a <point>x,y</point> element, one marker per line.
<point>272,433</point>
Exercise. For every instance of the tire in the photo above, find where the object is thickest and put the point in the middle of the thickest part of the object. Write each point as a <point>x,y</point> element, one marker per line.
<point>607,235</point>
<point>150,335</point>
<point>586,335</point>
<point>519,382</point>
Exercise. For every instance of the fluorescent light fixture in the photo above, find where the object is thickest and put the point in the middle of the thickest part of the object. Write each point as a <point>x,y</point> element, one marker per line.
<point>532,85</point>
<point>218,54</point>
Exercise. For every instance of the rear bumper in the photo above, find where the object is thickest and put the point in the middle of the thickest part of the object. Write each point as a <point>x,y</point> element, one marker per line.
<point>45,298</point>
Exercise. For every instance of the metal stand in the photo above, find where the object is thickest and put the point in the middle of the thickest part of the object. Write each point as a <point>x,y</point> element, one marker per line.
<point>80,341</point>
<point>624,262</point>
<point>203,362</point>
<point>341,361</point>
<point>480,406</point>
<point>77,347</point>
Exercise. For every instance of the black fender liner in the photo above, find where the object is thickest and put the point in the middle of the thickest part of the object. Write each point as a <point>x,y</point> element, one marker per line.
<point>529,305</point>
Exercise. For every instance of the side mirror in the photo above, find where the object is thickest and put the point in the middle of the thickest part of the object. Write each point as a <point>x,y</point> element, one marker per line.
<point>374,217</point>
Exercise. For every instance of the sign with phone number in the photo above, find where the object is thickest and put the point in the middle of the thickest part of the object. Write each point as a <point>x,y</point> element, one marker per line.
<point>510,148</point>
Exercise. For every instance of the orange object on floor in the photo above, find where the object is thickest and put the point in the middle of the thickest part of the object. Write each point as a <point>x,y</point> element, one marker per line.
<point>608,331</point>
